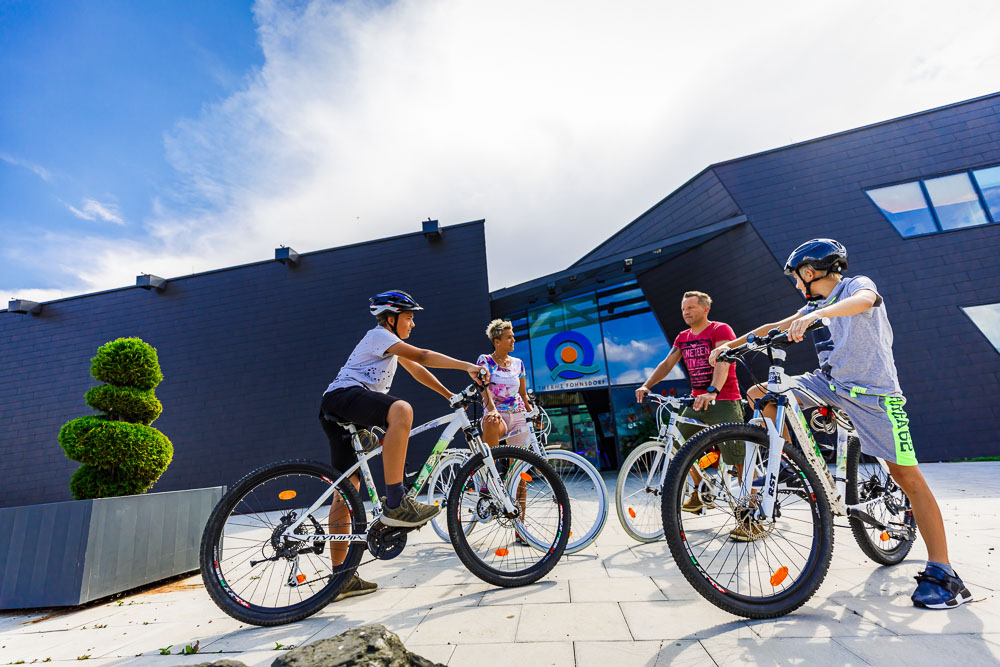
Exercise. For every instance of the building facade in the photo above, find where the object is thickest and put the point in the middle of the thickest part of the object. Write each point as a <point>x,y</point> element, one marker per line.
<point>916,200</point>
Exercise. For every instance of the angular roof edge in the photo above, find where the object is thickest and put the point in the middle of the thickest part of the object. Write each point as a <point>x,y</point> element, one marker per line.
<point>481,221</point>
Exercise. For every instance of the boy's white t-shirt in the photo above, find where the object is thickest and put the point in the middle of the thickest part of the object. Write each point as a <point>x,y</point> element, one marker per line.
<point>369,366</point>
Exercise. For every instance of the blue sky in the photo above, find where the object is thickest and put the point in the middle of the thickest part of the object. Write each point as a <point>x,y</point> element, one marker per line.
<point>87,92</point>
<point>172,137</point>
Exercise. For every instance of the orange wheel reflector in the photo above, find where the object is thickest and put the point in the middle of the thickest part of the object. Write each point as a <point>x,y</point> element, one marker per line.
<point>571,533</point>
<point>300,578</point>
<point>526,477</point>
<point>884,536</point>
<point>286,495</point>
<point>501,552</point>
<point>631,512</point>
<point>779,576</point>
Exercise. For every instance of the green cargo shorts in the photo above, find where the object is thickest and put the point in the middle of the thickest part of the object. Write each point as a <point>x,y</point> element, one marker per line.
<point>722,412</point>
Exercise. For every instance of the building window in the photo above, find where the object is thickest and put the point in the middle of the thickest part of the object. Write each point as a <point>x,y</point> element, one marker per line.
<point>987,320</point>
<point>941,204</point>
<point>633,341</point>
<point>905,207</point>
<point>988,181</point>
<point>566,345</point>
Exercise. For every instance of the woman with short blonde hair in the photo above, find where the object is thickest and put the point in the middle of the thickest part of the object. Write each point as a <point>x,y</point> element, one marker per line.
<point>505,401</point>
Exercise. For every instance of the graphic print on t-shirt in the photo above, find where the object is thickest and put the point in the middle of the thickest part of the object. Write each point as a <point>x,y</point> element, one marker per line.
<point>695,353</point>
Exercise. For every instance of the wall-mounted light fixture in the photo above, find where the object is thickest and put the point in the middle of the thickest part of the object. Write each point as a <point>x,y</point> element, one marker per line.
<point>432,230</point>
<point>24,306</point>
<point>286,255</point>
<point>551,289</point>
<point>149,281</point>
<point>627,268</point>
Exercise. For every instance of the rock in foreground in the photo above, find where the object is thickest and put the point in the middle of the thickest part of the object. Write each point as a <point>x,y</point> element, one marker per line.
<point>366,645</point>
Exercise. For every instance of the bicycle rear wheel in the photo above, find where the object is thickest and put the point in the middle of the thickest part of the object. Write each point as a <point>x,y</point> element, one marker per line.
<point>588,496</point>
<point>637,493</point>
<point>438,487</point>
<point>510,549</point>
<point>868,479</point>
<point>756,569</point>
<point>257,576</point>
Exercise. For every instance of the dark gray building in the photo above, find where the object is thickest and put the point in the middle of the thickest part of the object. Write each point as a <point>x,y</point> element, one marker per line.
<point>916,200</point>
<point>246,354</point>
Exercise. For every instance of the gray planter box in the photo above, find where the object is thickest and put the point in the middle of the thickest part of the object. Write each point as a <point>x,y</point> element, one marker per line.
<point>62,554</point>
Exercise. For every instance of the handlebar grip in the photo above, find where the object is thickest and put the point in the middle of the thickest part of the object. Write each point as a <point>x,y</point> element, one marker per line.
<point>818,324</point>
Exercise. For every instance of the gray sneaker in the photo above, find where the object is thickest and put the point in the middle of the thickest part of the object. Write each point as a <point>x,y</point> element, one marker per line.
<point>355,586</point>
<point>409,514</point>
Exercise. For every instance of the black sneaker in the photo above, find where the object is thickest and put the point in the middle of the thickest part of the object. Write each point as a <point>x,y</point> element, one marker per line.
<point>936,589</point>
<point>355,586</point>
<point>409,514</point>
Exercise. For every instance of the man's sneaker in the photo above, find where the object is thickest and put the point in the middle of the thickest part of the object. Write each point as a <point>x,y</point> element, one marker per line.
<point>936,589</point>
<point>409,514</point>
<point>355,586</point>
<point>749,532</point>
<point>695,504</point>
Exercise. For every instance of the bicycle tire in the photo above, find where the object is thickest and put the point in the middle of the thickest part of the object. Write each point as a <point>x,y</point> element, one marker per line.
<point>637,504</point>
<point>496,556</point>
<point>438,486</point>
<point>242,518</point>
<point>877,479</point>
<point>585,487</point>
<point>773,548</point>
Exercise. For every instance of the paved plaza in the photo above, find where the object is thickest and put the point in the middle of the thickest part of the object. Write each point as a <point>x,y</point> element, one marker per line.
<point>617,603</point>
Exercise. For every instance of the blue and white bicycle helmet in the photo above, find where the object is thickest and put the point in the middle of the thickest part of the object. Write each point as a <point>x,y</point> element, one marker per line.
<point>393,301</point>
<point>821,254</point>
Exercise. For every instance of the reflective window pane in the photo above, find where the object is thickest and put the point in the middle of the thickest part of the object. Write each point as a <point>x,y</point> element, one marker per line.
<point>566,345</point>
<point>634,345</point>
<point>955,201</point>
<point>905,207</point>
<point>521,348</point>
<point>987,319</point>
<point>989,184</point>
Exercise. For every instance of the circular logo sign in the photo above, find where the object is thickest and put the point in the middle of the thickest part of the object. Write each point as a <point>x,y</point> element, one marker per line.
<point>570,355</point>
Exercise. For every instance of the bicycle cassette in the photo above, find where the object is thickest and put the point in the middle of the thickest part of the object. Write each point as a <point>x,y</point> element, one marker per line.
<point>386,542</point>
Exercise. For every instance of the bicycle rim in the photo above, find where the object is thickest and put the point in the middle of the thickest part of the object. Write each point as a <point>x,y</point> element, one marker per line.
<point>637,493</point>
<point>506,550</point>
<point>868,479</point>
<point>257,576</point>
<point>755,569</point>
<point>437,494</point>
<point>588,496</point>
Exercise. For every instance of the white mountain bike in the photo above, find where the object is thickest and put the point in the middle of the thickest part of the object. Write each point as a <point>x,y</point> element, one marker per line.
<point>588,495</point>
<point>763,550</point>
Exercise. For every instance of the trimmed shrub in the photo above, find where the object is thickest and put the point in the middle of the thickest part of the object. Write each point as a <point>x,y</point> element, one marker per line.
<point>125,403</point>
<point>121,453</point>
<point>127,362</point>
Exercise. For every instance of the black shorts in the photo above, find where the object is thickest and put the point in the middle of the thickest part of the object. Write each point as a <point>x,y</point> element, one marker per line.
<point>356,405</point>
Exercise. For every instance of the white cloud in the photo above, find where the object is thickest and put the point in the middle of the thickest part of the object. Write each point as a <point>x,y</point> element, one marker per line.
<point>91,209</point>
<point>630,352</point>
<point>38,170</point>
<point>558,122</point>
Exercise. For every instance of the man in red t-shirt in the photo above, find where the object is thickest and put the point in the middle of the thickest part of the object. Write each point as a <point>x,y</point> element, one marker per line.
<point>708,383</point>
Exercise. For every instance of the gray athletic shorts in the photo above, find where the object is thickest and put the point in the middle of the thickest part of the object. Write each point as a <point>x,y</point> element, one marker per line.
<point>881,423</point>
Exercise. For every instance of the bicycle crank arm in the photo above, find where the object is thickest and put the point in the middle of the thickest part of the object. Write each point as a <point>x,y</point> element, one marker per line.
<point>896,533</point>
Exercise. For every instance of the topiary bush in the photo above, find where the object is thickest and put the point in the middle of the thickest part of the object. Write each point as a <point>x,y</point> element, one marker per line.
<point>121,453</point>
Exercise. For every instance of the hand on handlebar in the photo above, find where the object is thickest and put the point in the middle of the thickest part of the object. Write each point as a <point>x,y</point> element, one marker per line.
<point>702,401</point>
<point>640,393</point>
<point>479,374</point>
<point>799,327</point>
<point>714,355</point>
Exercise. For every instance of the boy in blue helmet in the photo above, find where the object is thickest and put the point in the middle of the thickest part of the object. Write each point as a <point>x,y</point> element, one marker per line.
<point>360,395</point>
<point>858,375</point>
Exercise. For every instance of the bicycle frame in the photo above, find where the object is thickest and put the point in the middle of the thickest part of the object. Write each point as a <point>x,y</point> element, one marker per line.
<point>457,420</point>
<point>789,412</point>
<point>668,434</point>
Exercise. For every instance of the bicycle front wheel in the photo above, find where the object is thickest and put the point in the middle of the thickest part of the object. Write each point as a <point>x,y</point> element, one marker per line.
<point>256,574</point>
<point>509,548</point>
<point>588,496</point>
<point>438,486</point>
<point>868,480</point>
<point>637,493</point>
<point>753,567</point>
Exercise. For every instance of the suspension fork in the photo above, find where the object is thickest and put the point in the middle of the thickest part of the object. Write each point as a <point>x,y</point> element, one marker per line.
<point>775,446</point>
<point>494,482</point>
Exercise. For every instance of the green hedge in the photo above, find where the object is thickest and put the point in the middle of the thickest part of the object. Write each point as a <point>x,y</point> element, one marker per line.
<point>120,452</point>
<point>127,362</point>
<point>125,403</point>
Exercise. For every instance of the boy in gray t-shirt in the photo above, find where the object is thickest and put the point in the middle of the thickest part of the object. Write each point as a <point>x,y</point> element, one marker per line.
<point>857,374</point>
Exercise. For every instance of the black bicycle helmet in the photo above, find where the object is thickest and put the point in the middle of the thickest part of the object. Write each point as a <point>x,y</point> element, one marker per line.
<point>393,301</point>
<point>821,254</point>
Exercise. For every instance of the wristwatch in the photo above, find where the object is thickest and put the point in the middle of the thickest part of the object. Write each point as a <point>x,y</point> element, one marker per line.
<point>711,389</point>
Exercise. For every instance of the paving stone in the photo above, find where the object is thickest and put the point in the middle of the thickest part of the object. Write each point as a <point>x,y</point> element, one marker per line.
<point>931,650</point>
<point>685,653</point>
<point>461,625</point>
<point>535,654</point>
<point>595,621</point>
<point>621,589</point>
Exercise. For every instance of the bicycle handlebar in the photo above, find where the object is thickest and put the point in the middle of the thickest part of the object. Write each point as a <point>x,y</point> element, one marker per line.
<point>675,401</point>
<point>774,338</point>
